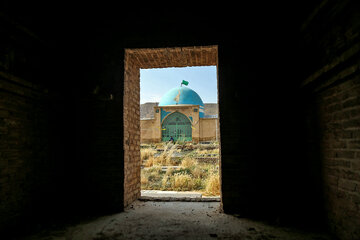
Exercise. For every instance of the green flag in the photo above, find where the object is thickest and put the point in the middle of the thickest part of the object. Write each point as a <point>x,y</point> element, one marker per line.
<point>184,82</point>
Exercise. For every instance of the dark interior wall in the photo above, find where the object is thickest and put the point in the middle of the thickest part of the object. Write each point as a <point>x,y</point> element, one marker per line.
<point>24,167</point>
<point>332,90</point>
<point>61,133</point>
<point>266,170</point>
<point>261,125</point>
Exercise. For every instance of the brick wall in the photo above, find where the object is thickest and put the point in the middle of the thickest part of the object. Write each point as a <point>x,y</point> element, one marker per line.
<point>333,96</point>
<point>339,120</point>
<point>334,129</point>
<point>131,130</point>
<point>24,169</point>
<point>23,148</point>
<point>61,144</point>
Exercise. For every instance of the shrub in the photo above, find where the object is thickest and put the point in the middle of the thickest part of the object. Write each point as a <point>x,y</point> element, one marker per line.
<point>165,158</point>
<point>151,178</point>
<point>199,172</point>
<point>198,184</point>
<point>146,153</point>
<point>183,182</point>
<point>213,184</point>
<point>188,162</point>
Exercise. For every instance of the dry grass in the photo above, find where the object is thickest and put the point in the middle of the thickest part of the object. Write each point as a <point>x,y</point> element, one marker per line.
<point>165,159</point>
<point>209,146</point>
<point>213,184</point>
<point>188,162</point>
<point>146,153</point>
<point>207,151</point>
<point>192,176</point>
<point>144,180</point>
<point>149,160</point>
<point>151,177</point>
<point>199,172</point>
<point>162,160</point>
<point>183,182</point>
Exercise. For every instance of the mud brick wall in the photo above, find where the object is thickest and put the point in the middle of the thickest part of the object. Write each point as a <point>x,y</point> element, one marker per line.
<point>24,170</point>
<point>61,145</point>
<point>333,96</point>
<point>131,130</point>
<point>339,120</point>
<point>334,138</point>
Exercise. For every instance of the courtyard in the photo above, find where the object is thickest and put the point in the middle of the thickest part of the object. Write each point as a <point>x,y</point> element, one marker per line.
<point>181,166</point>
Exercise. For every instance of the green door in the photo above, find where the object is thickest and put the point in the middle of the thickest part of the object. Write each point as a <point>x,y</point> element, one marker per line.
<point>178,126</point>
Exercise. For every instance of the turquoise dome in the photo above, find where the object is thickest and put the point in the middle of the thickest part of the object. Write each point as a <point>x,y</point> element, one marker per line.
<point>182,96</point>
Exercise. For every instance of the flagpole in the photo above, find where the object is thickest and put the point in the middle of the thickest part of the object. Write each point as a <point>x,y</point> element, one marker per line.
<point>184,82</point>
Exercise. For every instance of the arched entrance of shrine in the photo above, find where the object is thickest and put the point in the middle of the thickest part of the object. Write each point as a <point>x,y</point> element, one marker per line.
<point>178,126</point>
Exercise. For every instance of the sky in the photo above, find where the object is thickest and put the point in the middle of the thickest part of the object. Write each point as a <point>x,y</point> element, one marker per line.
<point>155,82</point>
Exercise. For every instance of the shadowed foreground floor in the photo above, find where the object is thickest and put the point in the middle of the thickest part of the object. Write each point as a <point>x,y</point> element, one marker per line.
<point>176,220</point>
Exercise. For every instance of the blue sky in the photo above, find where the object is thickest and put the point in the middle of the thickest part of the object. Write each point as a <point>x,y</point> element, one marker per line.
<point>155,82</point>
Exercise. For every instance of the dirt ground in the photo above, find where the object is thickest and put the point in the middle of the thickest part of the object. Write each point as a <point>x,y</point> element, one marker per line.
<point>176,220</point>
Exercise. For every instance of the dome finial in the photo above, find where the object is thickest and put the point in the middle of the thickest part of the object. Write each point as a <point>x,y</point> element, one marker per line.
<point>184,82</point>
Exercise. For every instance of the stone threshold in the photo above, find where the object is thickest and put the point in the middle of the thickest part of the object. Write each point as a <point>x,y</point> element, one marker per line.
<point>179,199</point>
<point>173,196</point>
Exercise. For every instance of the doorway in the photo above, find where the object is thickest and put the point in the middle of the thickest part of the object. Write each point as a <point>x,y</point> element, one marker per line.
<point>136,59</point>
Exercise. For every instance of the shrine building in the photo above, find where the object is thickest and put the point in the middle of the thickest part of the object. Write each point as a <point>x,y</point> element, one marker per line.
<point>180,114</point>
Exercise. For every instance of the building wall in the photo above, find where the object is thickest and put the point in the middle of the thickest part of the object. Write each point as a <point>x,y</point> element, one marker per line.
<point>209,129</point>
<point>204,129</point>
<point>147,109</point>
<point>149,130</point>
